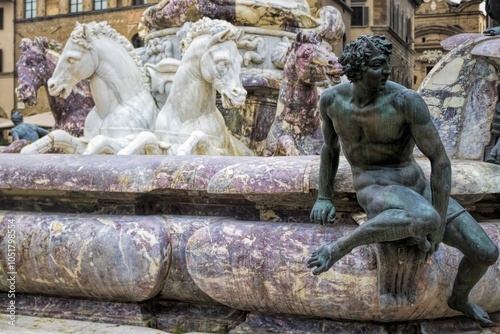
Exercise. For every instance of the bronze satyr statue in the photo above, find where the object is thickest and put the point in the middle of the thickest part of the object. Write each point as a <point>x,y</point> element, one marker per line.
<point>378,122</point>
<point>25,131</point>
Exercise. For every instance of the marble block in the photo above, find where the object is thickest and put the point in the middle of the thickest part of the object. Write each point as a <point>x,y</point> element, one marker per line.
<point>261,267</point>
<point>118,258</point>
<point>461,94</point>
<point>132,314</point>
<point>183,318</point>
<point>264,323</point>
<point>179,285</point>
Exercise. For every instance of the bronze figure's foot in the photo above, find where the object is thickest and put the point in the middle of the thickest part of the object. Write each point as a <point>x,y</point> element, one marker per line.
<point>325,257</point>
<point>471,310</point>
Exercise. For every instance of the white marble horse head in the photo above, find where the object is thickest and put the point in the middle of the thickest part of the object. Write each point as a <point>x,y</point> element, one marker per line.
<point>219,59</point>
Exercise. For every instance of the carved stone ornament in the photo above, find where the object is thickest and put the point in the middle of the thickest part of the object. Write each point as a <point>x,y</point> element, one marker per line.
<point>431,56</point>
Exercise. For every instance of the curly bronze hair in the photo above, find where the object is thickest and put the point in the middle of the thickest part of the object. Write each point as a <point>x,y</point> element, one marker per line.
<point>356,54</point>
<point>16,116</point>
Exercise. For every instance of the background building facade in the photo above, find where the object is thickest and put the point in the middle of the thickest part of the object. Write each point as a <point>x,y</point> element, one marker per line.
<point>435,21</point>
<point>395,20</point>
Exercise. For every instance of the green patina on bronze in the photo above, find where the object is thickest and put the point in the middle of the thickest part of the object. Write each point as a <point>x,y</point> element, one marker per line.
<point>378,123</point>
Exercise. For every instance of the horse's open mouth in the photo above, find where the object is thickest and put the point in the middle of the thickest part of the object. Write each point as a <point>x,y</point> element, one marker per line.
<point>334,78</point>
<point>237,102</point>
<point>334,74</point>
<point>60,91</point>
<point>31,100</point>
<point>26,96</point>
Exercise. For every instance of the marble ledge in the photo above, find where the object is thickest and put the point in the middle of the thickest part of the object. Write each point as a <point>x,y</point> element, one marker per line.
<point>216,175</point>
<point>34,325</point>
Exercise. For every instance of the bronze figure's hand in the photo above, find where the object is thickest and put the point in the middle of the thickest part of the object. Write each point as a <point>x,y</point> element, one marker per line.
<point>323,212</point>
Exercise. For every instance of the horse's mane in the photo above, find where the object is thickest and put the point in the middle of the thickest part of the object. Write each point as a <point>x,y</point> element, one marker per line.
<point>40,42</point>
<point>207,26</point>
<point>80,35</point>
<point>55,46</point>
<point>42,46</point>
<point>309,37</point>
<point>304,38</point>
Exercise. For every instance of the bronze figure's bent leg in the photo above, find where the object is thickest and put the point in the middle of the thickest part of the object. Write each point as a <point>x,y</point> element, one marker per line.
<point>465,234</point>
<point>395,213</point>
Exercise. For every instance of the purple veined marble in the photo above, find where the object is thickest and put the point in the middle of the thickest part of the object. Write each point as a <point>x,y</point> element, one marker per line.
<point>36,65</point>
<point>288,15</point>
<point>297,127</point>
<point>461,94</point>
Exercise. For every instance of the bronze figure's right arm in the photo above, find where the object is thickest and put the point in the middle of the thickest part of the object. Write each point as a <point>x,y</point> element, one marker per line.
<point>14,134</point>
<point>323,210</point>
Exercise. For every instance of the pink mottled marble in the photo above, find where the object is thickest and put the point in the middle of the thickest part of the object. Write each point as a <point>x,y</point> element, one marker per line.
<point>35,66</point>
<point>297,127</point>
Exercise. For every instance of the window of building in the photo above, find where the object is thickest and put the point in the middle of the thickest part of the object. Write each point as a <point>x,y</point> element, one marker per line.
<point>138,2</point>
<point>75,6</point>
<point>408,31</point>
<point>428,69</point>
<point>29,9</point>
<point>392,10</point>
<point>100,4</point>
<point>1,18</point>
<point>359,16</point>
<point>396,19</point>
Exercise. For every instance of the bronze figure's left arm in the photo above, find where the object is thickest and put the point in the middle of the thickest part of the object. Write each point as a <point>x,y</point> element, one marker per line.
<point>427,139</point>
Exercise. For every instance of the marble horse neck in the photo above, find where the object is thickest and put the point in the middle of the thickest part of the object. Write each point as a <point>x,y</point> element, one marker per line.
<point>36,65</point>
<point>297,128</point>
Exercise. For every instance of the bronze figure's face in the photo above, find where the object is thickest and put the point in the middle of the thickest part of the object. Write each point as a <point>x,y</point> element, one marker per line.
<point>376,71</point>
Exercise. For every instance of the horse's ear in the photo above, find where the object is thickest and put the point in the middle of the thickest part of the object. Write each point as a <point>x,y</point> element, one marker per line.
<point>39,43</point>
<point>239,34</point>
<point>84,30</point>
<point>299,39</point>
<point>25,44</point>
<point>221,37</point>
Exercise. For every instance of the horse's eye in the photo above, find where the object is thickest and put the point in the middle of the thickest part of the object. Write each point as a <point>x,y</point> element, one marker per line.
<point>71,60</point>
<point>222,67</point>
